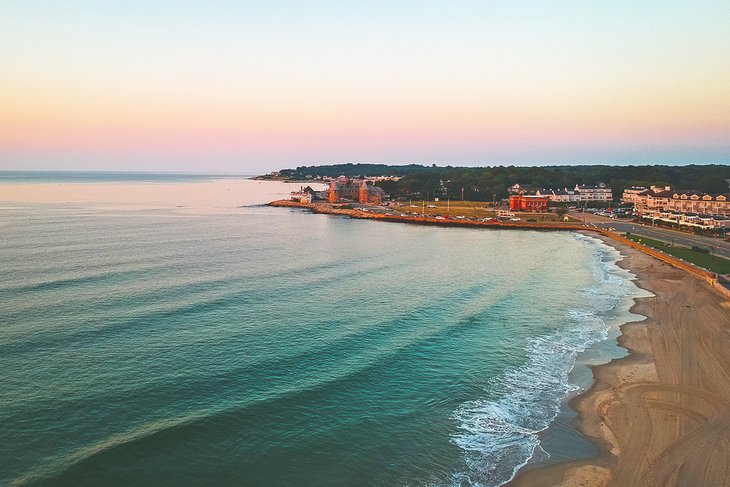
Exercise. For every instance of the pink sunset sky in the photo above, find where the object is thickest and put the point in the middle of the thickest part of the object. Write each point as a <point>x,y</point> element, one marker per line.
<point>229,86</point>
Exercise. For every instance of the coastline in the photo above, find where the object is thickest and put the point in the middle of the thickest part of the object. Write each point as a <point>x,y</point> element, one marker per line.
<point>661,415</point>
<point>611,236</point>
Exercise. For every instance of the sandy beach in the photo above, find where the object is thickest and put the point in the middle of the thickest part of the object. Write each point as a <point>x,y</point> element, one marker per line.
<point>661,415</point>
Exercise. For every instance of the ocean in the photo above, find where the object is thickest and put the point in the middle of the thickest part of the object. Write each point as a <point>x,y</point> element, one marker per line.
<point>210,340</point>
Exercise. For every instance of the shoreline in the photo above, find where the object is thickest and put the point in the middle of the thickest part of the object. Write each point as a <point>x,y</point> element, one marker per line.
<point>659,416</point>
<point>678,263</point>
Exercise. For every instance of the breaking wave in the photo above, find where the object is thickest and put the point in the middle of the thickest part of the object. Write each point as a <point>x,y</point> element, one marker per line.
<point>499,433</point>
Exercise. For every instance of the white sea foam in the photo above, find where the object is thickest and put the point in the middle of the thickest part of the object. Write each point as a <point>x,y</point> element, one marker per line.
<point>499,433</point>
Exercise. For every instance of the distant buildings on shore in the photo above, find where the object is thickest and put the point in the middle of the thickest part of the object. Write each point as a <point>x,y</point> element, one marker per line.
<point>580,193</point>
<point>692,220</point>
<point>600,192</point>
<point>527,202</point>
<point>684,208</point>
<point>306,195</point>
<point>681,201</point>
<point>344,188</point>
<point>560,195</point>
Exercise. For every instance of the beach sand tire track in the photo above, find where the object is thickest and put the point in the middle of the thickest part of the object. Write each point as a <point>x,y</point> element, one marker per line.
<point>665,450</point>
<point>666,428</point>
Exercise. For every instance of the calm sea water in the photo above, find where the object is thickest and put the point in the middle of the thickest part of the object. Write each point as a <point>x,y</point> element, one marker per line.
<point>108,177</point>
<point>275,347</point>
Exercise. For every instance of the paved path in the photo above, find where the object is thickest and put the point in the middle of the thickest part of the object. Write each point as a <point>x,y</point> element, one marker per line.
<point>718,246</point>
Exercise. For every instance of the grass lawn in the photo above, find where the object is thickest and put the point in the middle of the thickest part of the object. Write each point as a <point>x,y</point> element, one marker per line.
<point>706,261</point>
<point>476,209</point>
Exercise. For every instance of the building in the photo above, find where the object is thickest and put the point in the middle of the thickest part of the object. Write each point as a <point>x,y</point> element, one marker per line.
<point>699,202</point>
<point>370,195</point>
<point>601,192</point>
<point>651,199</point>
<point>634,193</point>
<point>689,220</point>
<point>559,195</point>
<point>523,202</point>
<point>346,189</point>
<point>304,195</point>
<point>583,192</point>
<point>518,188</point>
<point>343,188</point>
<point>679,201</point>
<point>631,194</point>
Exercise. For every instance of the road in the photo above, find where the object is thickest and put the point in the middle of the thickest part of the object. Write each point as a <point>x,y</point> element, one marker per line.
<point>718,246</point>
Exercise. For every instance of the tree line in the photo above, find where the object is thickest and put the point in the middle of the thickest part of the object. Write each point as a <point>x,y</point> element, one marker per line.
<point>488,183</point>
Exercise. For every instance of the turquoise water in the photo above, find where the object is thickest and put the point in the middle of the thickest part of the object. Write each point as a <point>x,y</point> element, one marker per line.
<point>276,347</point>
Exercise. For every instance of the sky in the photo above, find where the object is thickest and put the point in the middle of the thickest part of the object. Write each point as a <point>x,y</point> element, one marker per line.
<point>239,86</point>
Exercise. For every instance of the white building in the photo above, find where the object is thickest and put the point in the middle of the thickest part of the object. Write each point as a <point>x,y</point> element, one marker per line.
<point>559,195</point>
<point>518,188</point>
<point>601,192</point>
<point>635,194</point>
<point>704,222</point>
<point>697,202</point>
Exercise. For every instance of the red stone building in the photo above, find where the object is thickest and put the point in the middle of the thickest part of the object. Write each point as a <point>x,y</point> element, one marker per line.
<point>371,195</point>
<point>346,189</point>
<point>341,189</point>
<point>523,202</point>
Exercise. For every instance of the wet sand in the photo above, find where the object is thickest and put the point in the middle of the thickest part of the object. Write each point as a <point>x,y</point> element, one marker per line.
<point>661,415</point>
